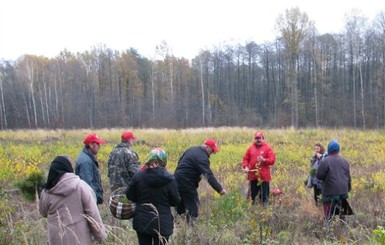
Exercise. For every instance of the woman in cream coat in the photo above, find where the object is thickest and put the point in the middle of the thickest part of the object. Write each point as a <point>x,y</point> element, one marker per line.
<point>70,206</point>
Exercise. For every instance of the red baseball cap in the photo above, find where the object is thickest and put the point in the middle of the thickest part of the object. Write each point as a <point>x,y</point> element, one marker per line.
<point>93,138</point>
<point>258,135</point>
<point>212,144</point>
<point>128,135</point>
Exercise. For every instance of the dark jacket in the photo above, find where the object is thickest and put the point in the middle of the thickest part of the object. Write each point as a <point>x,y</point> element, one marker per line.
<point>87,167</point>
<point>195,162</point>
<point>157,187</point>
<point>334,171</point>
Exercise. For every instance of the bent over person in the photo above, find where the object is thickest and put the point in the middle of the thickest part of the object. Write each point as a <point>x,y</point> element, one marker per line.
<point>194,163</point>
<point>69,204</point>
<point>123,162</point>
<point>256,163</point>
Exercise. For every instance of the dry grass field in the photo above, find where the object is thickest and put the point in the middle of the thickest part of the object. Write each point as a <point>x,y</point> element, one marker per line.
<point>223,219</point>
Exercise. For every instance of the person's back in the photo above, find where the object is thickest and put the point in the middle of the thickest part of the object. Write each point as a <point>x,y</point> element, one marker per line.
<point>335,173</point>
<point>65,201</point>
<point>191,165</point>
<point>154,191</point>
<point>123,162</point>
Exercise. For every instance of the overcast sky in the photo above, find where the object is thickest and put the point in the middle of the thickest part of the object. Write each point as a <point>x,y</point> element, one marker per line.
<point>46,27</point>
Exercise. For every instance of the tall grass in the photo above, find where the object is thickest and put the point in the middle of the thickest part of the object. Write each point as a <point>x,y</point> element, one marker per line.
<point>223,219</point>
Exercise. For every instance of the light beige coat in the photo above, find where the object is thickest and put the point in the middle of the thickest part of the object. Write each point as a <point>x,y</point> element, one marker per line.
<point>73,216</point>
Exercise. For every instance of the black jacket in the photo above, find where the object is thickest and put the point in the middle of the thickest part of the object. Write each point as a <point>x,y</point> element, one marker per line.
<point>153,187</point>
<point>192,164</point>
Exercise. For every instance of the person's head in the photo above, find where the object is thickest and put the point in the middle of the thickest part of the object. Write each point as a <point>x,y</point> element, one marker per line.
<point>259,138</point>
<point>333,147</point>
<point>211,146</point>
<point>92,142</point>
<point>59,166</point>
<point>128,137</point>
<point>157,158</point>
<point>319,148</point>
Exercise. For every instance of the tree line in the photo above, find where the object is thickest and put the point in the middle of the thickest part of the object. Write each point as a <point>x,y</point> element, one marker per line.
<point>301,79</point>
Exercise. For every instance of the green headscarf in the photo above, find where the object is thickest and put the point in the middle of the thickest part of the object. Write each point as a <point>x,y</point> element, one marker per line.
<point>157,154</point>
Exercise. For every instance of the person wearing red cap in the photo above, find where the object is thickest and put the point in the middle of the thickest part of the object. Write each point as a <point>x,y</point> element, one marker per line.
<point>256,163</point>
<point>123,162</point>
<point>194,163</point>
<point>87,166</point>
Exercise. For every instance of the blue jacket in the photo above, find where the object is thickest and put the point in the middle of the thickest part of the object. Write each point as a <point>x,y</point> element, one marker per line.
<point>87,167</point>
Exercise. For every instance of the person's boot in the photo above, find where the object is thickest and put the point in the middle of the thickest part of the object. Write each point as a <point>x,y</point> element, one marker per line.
<point>264,204</point>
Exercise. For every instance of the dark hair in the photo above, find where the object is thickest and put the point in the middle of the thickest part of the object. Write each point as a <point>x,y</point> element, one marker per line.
<point>322,148</point>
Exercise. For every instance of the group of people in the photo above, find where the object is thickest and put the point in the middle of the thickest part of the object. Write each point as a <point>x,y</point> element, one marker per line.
<point>329,175</point>
<point>70,197</point>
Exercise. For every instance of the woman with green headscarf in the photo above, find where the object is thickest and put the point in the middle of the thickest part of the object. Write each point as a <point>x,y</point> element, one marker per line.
<point>154,190</point>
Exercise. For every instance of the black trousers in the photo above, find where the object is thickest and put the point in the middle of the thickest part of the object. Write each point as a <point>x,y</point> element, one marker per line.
<point>263,189</point>
<point>317,194</point>
<point>189,204</point>
<point>151,240</point>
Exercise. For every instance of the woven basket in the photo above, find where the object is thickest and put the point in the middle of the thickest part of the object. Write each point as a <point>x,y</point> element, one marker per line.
<point>118,209</point>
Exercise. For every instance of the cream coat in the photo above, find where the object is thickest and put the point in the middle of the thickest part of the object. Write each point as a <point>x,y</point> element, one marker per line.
<point>73,216</point>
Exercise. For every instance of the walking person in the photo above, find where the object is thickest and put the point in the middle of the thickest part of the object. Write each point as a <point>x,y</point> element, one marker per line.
<point>194,163</point>
<point>69,204</point>
<point>154,190</point>
<point>256,163</point>
<point>313,182</point>
<point>123,162</point>
<point>87,166</point>
<point>334,171</point>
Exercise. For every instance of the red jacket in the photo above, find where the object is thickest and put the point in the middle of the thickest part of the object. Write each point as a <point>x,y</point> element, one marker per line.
<point>250,160</point>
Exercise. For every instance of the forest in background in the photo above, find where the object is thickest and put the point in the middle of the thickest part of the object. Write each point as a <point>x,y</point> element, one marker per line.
<point>301,79</point>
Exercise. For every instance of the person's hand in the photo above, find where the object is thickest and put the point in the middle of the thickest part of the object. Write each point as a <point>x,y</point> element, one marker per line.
<point>246,169</point>
<point>223,192</point>
<point>260,159</point>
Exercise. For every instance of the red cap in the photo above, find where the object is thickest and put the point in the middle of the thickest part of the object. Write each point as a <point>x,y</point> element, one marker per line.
<point>93,138</point>
<point>128,135</point>
<point>258,135</point>
<point>212,144</point>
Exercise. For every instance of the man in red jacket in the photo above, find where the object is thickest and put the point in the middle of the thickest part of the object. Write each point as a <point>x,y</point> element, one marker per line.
<point>256,163</point>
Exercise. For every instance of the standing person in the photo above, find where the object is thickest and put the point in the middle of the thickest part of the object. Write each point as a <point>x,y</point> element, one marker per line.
<point>256,163</point>
<point>195,162</point>
<point>123,162</point>
<point>315,160</point>
<point>70,206</point>
<point>334,171</point>
<point>154,190</point>
<point>87,166</point>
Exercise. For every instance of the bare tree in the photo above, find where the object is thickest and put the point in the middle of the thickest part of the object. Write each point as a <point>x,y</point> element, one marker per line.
<point>293,26</point>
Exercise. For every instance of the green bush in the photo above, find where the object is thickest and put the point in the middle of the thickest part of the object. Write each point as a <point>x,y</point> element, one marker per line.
<point>31,185</point>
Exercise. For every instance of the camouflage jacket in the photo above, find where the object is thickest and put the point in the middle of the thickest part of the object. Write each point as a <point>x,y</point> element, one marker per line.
<point>123,163</point>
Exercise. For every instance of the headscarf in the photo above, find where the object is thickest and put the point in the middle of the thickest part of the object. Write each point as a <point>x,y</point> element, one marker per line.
<point>157,154</point>
<point>59,166</point>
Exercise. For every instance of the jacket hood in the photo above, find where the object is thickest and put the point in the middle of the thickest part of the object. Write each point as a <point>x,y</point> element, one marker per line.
<point>66,185</point>
<point>157,177</point>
